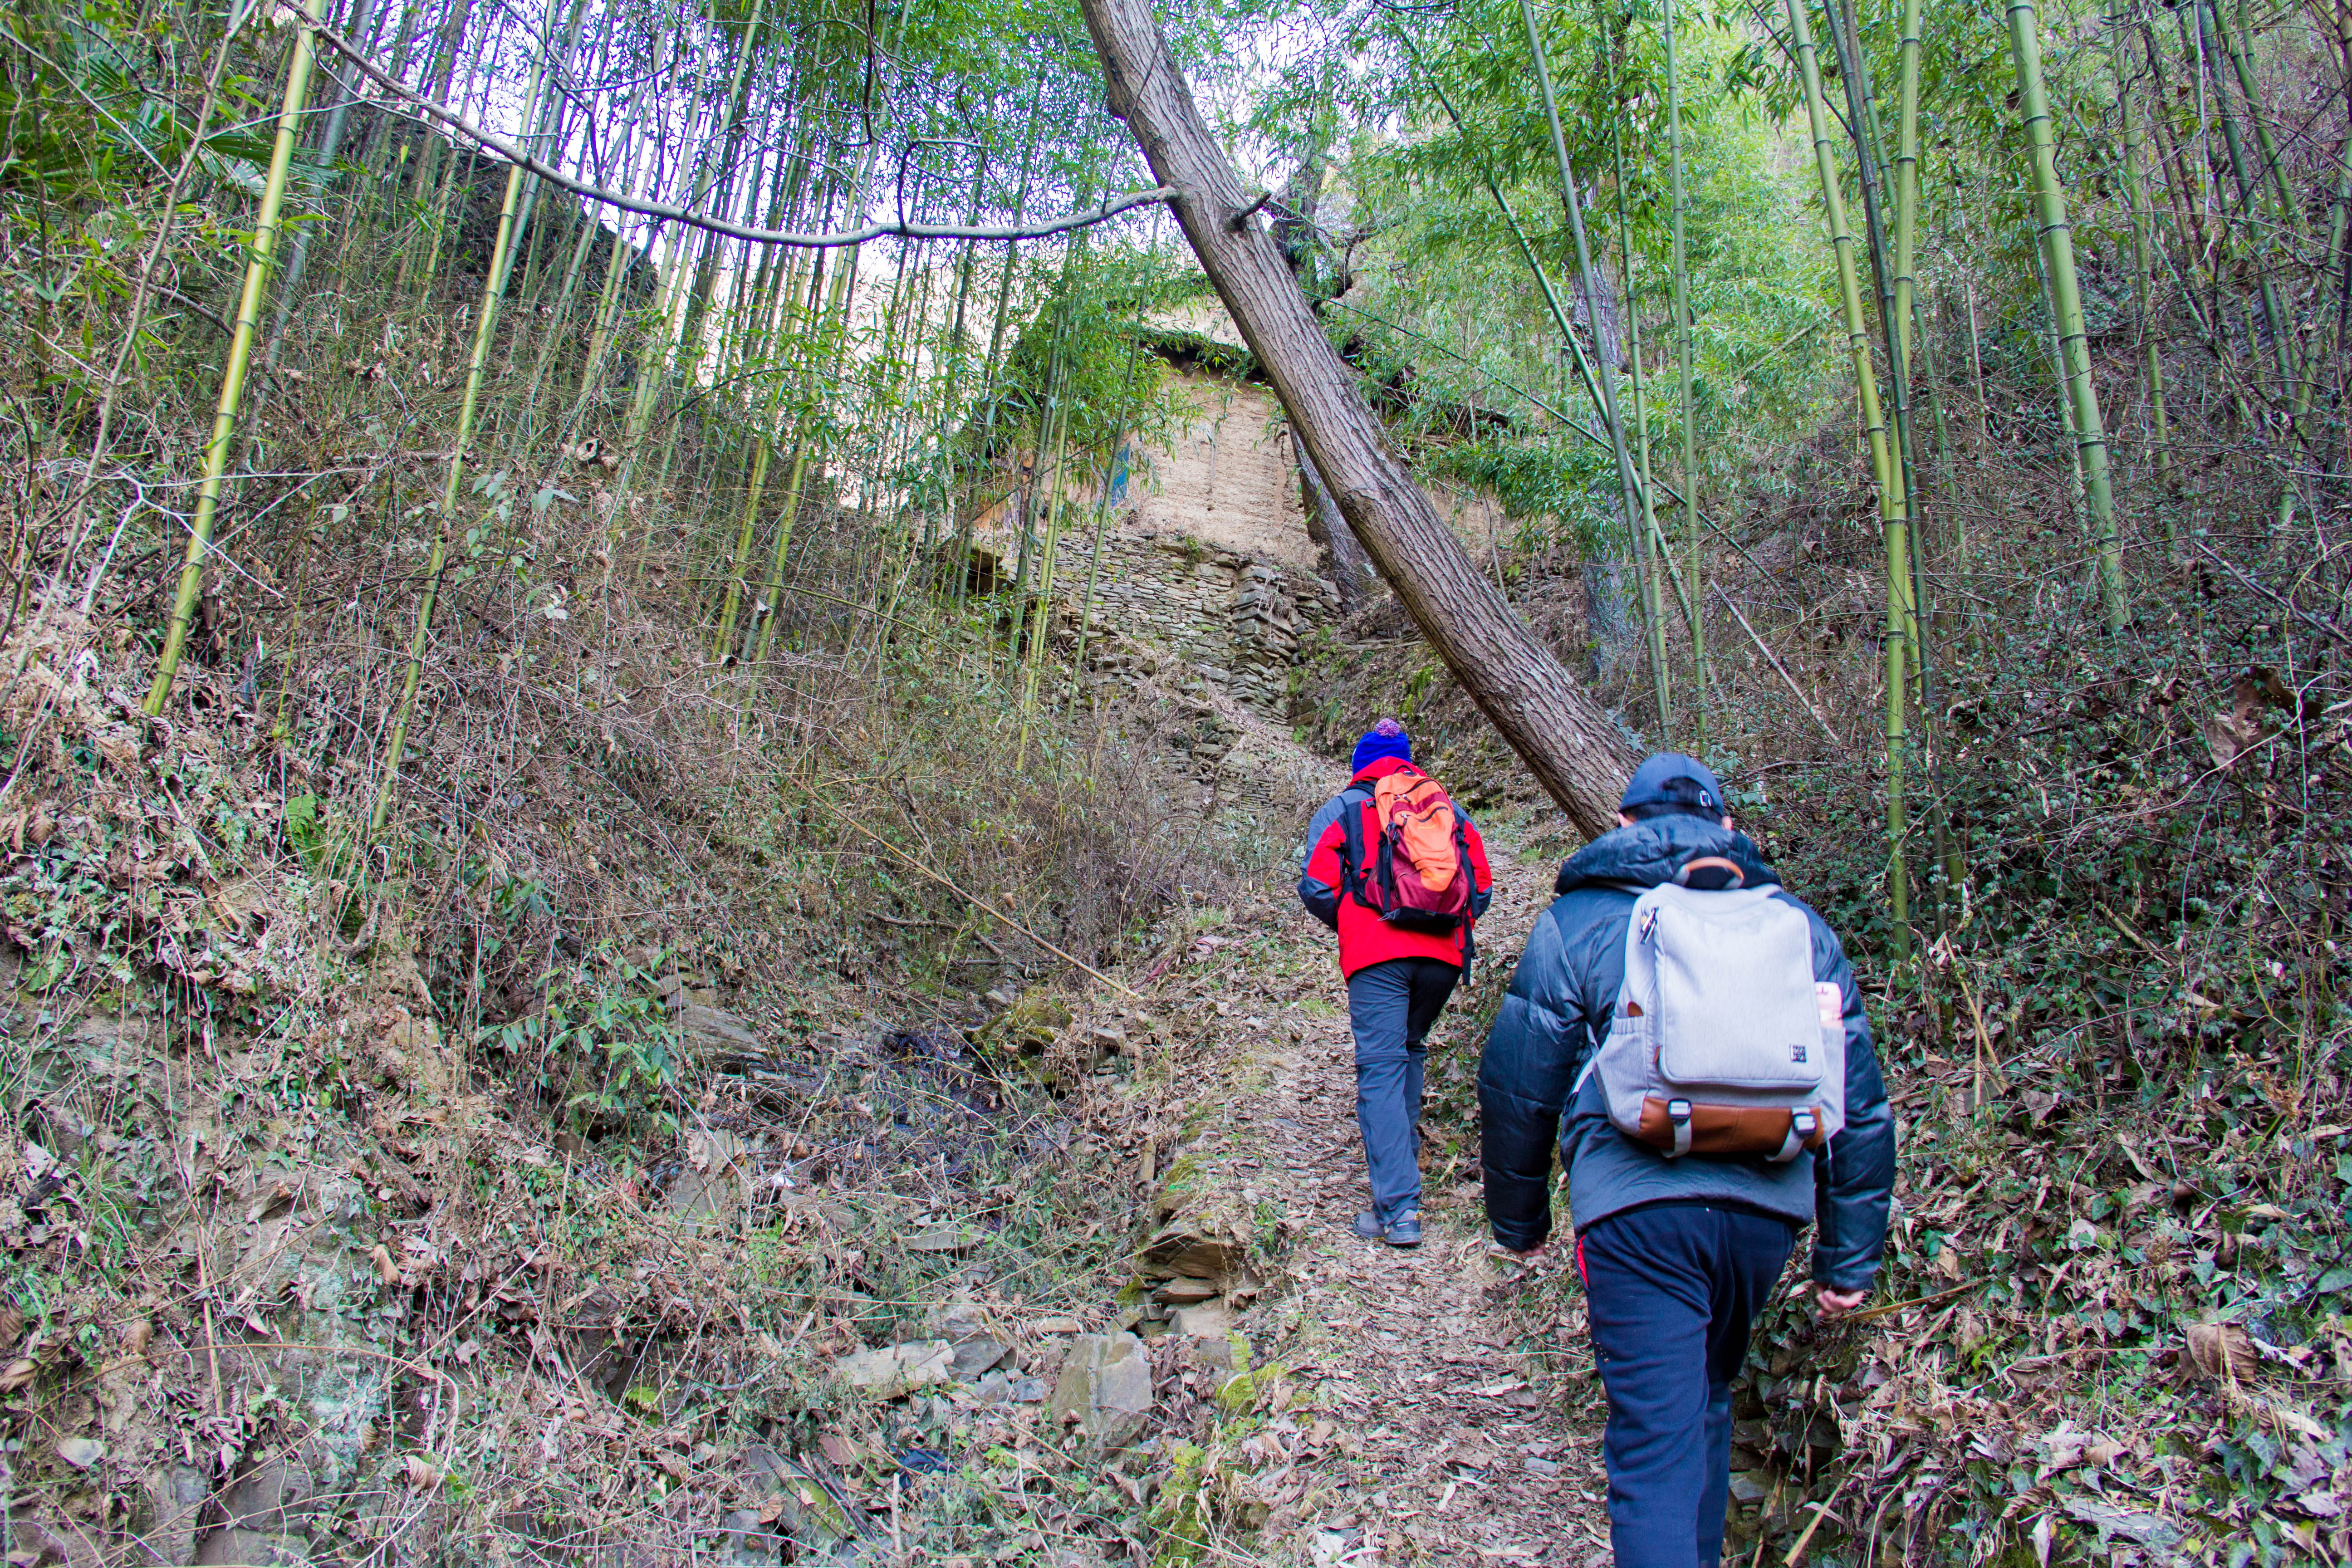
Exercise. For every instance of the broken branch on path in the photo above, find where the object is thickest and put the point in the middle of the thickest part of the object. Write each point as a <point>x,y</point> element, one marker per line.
<point>1867,1313</point>
<point>1821,1512</point>
<point>646,207</point>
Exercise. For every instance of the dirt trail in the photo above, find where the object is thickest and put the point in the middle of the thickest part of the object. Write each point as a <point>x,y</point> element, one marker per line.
<point>1460,1430</point>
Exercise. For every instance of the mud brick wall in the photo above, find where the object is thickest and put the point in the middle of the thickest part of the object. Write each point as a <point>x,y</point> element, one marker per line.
<point>1205,552</point>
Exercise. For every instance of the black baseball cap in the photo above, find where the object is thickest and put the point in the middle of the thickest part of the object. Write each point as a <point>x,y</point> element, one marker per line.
<point>1670,778</point>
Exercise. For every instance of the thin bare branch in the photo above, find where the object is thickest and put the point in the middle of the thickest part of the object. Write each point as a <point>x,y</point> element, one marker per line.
<point>900,228</point>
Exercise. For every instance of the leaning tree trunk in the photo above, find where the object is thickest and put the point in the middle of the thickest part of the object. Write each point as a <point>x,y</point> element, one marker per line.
<point>1573,747</point>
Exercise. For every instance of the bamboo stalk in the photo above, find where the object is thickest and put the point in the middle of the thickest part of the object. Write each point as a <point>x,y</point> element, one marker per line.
<point>2208,24</point>
<point>829,343</point>
<point>1891,268</point>
<point>1657,559</point>
<point>1957,545</point>
<point>1607,377</point>
<point>2057,245</point>
<point>383,133</point>
<point>485,320</point>
<point>617,261</point>
<point>258,254</point>
<point>667,339</point>
<point>1059,412</point>
<point>2144,291</point>
<point>953,351</point>
<point>1042,631</point>
<point>564,293</point>
<point>437,227</point>
<point>2078,493</point>
<point>896,441</point>
<point>1862,128</point>
<point>1696,593</point>
<point>1883,462</point>
<point>1046,423</point>
<point>1102,518</point>
<point>835,321</point>
<point>561,312</point>
<point>785,517</point>
<point>2191,235</point>
<point>965,510</point>
<point>761,446</point>
<point>413,158</point>
<point>2239,46</point>
<point>1907,183</point>
<point>548,126</point>
<point>764,438</point>
<point>329,140</point>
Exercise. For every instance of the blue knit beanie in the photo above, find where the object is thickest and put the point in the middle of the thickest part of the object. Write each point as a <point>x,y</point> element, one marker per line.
<point>1385,739</point>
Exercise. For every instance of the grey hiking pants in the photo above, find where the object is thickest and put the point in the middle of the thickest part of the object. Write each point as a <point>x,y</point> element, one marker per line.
<point>1391,1006</point>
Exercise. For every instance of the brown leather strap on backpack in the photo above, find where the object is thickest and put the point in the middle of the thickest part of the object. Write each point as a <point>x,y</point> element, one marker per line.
<point>1711,863</point>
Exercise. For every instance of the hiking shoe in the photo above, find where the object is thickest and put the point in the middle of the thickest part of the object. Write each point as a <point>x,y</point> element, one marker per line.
<point>1403,1229</point>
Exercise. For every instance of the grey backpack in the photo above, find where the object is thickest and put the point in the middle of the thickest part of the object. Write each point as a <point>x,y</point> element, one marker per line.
<point>1723,1043</point>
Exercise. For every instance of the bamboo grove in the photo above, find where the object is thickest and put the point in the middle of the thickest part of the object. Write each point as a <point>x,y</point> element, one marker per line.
<point>712,272</point>
<point>429,296</point>
<point>1954,150</point>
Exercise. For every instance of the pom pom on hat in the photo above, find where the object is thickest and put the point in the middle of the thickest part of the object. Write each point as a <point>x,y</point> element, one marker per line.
<point>1385,739</point>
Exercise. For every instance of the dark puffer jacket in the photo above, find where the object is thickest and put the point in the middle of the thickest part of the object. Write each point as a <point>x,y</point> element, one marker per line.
<point>1557,1012</point>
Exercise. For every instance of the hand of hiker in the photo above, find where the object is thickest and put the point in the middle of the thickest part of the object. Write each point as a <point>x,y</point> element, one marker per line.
<point>1837,1303</point>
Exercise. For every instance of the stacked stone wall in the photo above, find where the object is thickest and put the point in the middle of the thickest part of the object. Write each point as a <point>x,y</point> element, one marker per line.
<point>1239,620</point>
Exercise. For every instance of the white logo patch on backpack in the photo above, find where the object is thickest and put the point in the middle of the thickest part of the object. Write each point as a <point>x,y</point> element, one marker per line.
<point>1723,1043</point>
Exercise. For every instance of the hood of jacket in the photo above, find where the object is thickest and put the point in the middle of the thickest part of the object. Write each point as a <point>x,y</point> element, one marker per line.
<point>1381,767</point>
<point>1651,852</point>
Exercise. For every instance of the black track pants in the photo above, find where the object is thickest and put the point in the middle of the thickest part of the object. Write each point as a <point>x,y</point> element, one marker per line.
<point>1671,1289</point>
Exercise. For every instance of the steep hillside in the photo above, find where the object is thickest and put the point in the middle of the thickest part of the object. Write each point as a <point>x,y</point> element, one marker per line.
<point>659,667</point>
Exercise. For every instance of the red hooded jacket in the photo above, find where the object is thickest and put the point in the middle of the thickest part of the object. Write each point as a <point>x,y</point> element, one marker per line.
<point>1364,938</point>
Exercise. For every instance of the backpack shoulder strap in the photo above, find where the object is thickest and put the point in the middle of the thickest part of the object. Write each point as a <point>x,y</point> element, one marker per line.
<point>1627,987</point>
<point>1352,802</point>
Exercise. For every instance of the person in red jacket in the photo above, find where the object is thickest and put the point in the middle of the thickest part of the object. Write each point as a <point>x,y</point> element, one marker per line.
<point>1398,979</point>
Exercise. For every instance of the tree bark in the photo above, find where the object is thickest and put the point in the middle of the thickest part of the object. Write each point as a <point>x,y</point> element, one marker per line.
<point>1295,237</point>
<point>1574,747</point>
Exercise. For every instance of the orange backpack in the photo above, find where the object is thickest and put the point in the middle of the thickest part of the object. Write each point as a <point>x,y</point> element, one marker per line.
<point>1420,879</point>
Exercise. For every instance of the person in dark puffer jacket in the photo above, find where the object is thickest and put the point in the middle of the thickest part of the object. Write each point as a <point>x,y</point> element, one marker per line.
<point>1398,980</point>
<point>1676,1256</point>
